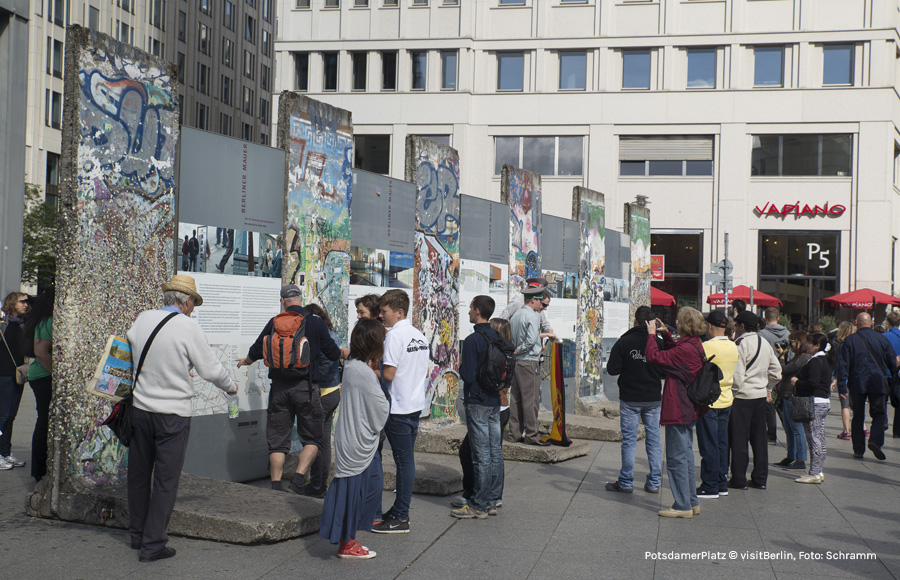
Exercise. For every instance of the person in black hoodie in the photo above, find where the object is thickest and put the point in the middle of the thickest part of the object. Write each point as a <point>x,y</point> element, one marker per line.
<point>640,397</point>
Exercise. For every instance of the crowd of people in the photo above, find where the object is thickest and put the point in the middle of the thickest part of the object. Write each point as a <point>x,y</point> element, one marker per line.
<point>767,372</point>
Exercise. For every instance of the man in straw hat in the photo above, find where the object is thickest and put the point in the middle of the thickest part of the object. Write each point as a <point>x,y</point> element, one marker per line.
<point>162,410</point>
<point>525,392</point>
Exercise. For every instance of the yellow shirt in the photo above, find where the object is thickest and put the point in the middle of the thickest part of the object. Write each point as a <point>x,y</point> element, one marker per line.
<point>726,354</point>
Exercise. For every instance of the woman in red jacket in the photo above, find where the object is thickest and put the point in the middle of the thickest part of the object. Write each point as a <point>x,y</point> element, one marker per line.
<point>681,360</point>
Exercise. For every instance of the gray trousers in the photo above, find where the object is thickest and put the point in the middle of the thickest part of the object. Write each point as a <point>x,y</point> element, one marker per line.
<point>156,455</point>
<point>815,438</point>
<point>524,401</point>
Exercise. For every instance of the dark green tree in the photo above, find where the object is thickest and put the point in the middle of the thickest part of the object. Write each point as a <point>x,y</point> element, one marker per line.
<point>38,238</point>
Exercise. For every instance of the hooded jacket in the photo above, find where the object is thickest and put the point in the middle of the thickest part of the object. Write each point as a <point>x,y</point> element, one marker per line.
<point>774,334</point>
<point>639,381</point>
<point>752,378</point>
<point>681,362</point>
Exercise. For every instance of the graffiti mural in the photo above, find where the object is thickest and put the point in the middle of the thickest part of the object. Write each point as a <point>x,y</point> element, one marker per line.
<point>522,191</point>
<point>318,139</point>
<point>637,220</point>
<point>116,230</point>
<point>434,168</point>
<point>592,269</point>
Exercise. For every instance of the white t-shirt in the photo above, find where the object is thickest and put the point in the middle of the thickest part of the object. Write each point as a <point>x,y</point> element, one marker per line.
<point>406,349</point>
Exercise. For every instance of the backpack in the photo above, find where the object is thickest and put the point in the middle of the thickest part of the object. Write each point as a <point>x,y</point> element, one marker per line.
<point>497,371</point>
<point>704,390</point>
<point>287,346</point>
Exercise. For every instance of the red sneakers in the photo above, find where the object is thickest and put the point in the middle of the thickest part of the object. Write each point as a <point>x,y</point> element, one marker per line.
<point>351,549</point>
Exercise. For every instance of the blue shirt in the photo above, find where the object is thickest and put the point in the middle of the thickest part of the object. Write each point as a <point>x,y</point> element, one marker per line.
<point>893,336</point>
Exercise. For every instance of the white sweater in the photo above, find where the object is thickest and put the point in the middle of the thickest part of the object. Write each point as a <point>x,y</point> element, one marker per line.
<point>765,372</point>
<point>165,385</point>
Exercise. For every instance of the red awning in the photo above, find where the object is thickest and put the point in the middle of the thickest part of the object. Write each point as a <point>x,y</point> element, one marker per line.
<point>862,299</point>
<point>743,293</point>
<point>660,298</point>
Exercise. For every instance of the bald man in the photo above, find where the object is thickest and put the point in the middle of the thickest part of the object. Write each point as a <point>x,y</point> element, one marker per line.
<point>867,365</point>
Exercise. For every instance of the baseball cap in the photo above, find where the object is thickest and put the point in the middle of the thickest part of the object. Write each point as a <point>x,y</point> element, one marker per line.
<point>290,291</point>
<point>717,319</point>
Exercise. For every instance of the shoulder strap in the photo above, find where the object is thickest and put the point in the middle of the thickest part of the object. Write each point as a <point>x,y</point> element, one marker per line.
<point>878,362</point>
<point>753,360</point>
<point>153,334</point>
<point>702,355</point>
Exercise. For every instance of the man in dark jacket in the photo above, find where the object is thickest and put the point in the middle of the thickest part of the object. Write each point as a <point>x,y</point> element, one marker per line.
<point>864,359</point>
<point>482,416</point>
<point>640,396</point>
<point>294,393</point>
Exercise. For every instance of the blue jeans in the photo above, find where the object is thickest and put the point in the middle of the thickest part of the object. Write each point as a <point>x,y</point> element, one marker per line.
<point>712,439</point>
<point>680,465</point>
<point>10,397</point>
<point>795,438</point>
<point>483,423</point>
<point>629,413</point>
<point>401,431</point>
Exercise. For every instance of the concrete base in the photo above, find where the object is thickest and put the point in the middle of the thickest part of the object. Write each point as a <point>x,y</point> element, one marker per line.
<point>592,428</point>
<point>209,509</point>
<point>598,409</point>
<point>435,474</point>
<point>444,440</point>
<point>448,439</point>
<point>549,454</point>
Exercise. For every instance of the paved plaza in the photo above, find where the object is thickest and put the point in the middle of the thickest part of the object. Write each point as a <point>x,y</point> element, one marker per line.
<point>557,521</point>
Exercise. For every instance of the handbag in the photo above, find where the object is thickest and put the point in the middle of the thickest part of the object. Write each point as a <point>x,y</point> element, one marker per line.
<point>22,369</point>
<point>120,419</point>
<point>802,409</point>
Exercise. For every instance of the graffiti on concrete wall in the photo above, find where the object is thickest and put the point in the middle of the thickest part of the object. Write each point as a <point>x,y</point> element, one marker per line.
<point>434,168</point>
<point>317,218</point>
<point>638,224</point>
<point>116,230</point>
<point>522,191</point>
<point>592,267</point>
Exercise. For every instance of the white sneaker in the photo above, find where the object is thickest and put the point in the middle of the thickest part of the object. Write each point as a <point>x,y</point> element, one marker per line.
<point>4,464</point>
<point>14,461</point>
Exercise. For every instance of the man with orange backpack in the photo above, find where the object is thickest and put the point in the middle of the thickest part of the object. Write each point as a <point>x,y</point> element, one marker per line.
<point>290,345</point>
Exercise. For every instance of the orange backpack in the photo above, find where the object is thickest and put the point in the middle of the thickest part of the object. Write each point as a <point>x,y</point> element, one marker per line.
<point>287,347</point>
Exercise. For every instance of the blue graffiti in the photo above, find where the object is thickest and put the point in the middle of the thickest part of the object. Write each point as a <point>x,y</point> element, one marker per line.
<point>438,200</point>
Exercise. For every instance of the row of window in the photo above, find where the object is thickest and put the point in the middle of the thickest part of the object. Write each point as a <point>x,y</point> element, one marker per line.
<point>203,122</point>
<point>206,7</point>
<point>305,4</point>
<point>359,64</point>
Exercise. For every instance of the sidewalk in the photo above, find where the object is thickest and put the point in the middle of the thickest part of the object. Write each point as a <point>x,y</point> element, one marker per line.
<point>556,521</point>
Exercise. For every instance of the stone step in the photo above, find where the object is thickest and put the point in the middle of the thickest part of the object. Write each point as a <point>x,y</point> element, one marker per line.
<point>435,474</point>
<point>597,409</point>
<point>592,428</point>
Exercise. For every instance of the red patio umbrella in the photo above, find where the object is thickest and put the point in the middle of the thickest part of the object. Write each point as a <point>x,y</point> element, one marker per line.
<point>660,298</point>
<point>743,293</point>
<point>862,299</point>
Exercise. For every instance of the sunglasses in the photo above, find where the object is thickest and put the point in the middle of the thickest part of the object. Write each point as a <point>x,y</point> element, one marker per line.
<point>23,301</point>
<point>545,305</point>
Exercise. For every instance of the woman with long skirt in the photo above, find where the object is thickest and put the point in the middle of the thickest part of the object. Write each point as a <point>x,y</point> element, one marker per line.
<point>355,493</point>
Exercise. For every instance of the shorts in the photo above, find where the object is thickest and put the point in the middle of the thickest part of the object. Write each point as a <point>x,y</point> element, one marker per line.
<point>294,399</point>
<point>845,400</point>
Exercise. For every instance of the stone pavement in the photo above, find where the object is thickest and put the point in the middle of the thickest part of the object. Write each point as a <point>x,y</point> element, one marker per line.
<point>556,521</point>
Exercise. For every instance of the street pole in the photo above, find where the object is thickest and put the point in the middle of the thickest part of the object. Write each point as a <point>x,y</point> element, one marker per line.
<point>725,275</point>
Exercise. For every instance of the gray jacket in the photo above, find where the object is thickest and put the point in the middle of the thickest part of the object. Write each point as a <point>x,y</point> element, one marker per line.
<point>775,333</point>
<point>364,411</point>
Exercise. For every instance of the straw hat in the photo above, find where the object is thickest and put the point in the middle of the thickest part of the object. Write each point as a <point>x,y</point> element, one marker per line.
<point>186,284</point>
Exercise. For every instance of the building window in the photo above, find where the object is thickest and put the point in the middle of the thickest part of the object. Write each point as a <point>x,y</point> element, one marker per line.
<point>683,251</point>
<point>391,3</point>
<point>225,124</point>
<point>329,71</point>
<point>419,70</point>
<point>389,71</point>
<point>302,4</point>
<point>249,64</point>
<point>52,183</point>
<point>154,46</point>
<point>228,15</point>
<point>572,71</point>
<point>182,26</point>
<point>57,59</point>
<point>93,17</point>
<point>264,111</point>
<point>544,155</point>
<point>301,71</point>
<point>636,69</point>
<point>372,153</point>
<point>125,34</point>
<point>420,3</point>
<point>267,10</point>
<point>510,71</point>
<point>442,139</point>
<point>666,155</point>
<point>158,14</point>
<point>56,14</point>
<point>247,105</point>
<point>701,68</point>
<point>768,68</point>
<point>264,76</point>
<point>263,139</point>
<point>203,39</point>
<point>246,132</point>
<point>332,3</point>
<point>361,3</point>
<point>204,6</point>
<point>451,2</point>
<point>227,90</point>
<point>512,2</point>
<point>203,78</point>
<point>250,28</point>
<point>359,70</point>
<point>227,53</point>
<point>266,43</point>
<point>179,65</point>
<point>837,64</point>
<point>251,3</point>
<point>810,155</point>
<point>202,117</point>
<point>448,70</point>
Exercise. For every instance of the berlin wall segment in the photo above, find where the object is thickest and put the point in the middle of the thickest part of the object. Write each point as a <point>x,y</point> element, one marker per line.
<point>116,222</point>
<point>318,142</point>
<point>637,222</point>
<point>521,189</point>
<point>590,212</point>
<point>434,168</point>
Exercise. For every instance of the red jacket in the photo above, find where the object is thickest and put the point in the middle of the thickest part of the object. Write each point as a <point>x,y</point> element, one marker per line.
<point>681,361</point>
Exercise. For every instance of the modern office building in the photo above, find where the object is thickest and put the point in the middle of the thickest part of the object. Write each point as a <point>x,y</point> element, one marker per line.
<point>223,50</point>
<point>775,121</point>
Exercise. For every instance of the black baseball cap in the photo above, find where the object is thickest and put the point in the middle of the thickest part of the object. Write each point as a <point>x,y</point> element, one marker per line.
<point>747,318</point>
<point>717,319</point>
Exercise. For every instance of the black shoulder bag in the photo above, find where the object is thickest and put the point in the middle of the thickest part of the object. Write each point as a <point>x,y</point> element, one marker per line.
<point>119,421</point>
<point>892,387</point>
